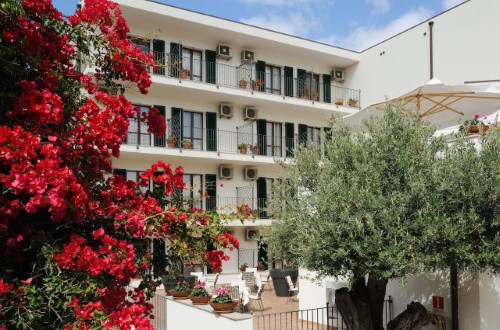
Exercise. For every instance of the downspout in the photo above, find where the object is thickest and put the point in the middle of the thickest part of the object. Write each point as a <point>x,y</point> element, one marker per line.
<point>431,49</point>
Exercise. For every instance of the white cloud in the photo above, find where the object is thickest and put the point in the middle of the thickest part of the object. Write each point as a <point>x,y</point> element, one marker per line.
<point>294,23</point>
<point>379,6</point>
<point>364,37</point>
<point>447,4</point>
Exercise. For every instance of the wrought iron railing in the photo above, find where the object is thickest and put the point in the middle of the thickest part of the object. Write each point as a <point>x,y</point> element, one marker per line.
<point>221,141</point>
<point>245,77</point>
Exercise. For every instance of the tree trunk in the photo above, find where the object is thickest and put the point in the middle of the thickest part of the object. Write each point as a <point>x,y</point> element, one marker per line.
<point>362,307</point>
<point>414,317</point>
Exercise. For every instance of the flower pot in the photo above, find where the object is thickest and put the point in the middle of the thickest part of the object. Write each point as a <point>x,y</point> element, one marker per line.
<point>353,104</point>
<point>171,144</point>
<point>169,282</point>
<point>243,269</point>
<point>179,295</point>
<point>200,300</point>
<point>243,85</point>
<point>261,269</point>
<point>255,151</point>
<point>185,74</point>
<point>280,284</point>
<point>187,145</point>
<point>474,129</point>
<point>223,308</point>
<point>243,150</point>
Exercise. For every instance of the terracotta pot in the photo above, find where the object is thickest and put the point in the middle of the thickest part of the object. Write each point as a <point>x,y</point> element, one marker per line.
<point>179,295</point>
<point>187,145</point>
<point>243,269</point>
<point>243,85</point>
<point>243,150</point>
<point>474,129</point>
<point>223,308</point>
<point>171,144</point>
<point>261,269</point>
<point>200,300</point>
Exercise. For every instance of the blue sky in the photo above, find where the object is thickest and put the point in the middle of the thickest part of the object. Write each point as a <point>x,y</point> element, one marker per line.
<point>352,24</point>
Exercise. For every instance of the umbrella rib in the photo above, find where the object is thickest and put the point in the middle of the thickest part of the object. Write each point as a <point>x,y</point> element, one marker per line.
<point>439,106</point>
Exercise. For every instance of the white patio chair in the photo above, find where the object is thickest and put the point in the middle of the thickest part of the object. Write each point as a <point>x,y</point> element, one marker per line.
<point>258,297</point>
<point>291,288</point>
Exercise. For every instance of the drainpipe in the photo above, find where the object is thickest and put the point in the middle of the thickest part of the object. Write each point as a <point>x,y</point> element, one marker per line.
<point>431,24</point>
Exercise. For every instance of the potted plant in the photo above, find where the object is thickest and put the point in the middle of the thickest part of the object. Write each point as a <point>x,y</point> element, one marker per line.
<point>256,84</point>
<point>353,102</point>
<point>243,83</point>
<point>199,295</point>
<point>243,148</point>
<point>223,303</point>
<point>171,140</point>
<point>187,143</point>
<point>181,291</point>
<point>339,101</point>
<point>185,73</point>
<point>244,267</point>
<point>473,126</point>
<point>260,266</point>
<point>304,93</point>
<point>315,96</point>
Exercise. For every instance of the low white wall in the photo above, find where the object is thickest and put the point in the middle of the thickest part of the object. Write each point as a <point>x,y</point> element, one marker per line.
<point>489,301</point>
<point>182,315</point>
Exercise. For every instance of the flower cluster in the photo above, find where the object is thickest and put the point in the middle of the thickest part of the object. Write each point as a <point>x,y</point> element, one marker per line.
<point>223,296</point>
<point>199,290</point>
<point>58,135</point>
<point>182,286</point>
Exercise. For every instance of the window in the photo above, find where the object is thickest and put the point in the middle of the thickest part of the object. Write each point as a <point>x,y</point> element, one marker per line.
<point>193,128</point>
<point>142,44</point>
<point>273,79</point>
<point>273,141</point>
<point>191,60</point>
<point>309,86</point>
<point>137,130</point>
<point>193,193</point>
<point>314,135</point>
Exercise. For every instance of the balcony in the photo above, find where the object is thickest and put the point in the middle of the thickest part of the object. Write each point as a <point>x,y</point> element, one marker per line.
<point>245,77</point>
<point>243,141</point>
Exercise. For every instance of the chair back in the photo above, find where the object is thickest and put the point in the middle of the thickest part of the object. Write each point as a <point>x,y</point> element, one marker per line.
<point>199,275</point>
<point>249,279</point>
<point>261,289</point>
<point>234,292</point>
<point>216,278</point>
<point>289,281</point>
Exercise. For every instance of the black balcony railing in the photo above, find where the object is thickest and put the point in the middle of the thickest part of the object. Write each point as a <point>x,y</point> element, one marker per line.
<point>221,141</point>
<point>245,77</point>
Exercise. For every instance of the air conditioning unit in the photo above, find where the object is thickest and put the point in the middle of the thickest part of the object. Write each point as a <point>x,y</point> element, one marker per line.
<point>224,52</point>
<point>338,75</point>
<point>247,55</point>
<point>252,234</point>
<point>250,113</point>
<point>250,173</point>
<point>225,172</point>
<point>225,110</point>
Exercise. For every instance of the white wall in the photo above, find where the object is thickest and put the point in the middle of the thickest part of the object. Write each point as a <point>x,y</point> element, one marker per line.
<point>464,50</point>
<point>182,315</point>
<point>489,301</point>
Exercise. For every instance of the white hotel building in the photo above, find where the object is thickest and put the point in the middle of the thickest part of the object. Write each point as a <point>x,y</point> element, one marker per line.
<point>225,84</point>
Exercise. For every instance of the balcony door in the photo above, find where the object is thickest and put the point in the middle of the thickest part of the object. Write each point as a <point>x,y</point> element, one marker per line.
<point>193,128</point>
<point>137,133</point>
<point>274,133</point>
<point>191,60</point>
<point>273,79</point>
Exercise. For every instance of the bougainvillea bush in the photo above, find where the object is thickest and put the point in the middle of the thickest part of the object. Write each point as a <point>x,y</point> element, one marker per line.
<point>72,235</point>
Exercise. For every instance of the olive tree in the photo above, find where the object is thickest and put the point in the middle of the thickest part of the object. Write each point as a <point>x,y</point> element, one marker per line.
<point>369,208</point>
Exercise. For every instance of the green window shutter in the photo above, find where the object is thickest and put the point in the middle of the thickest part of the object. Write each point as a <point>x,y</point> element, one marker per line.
<point>159,56</point>
<point>160,140</point>
<point>176,126</point>
<point>327,88</point>
<point>120,171</point>
<point>260,69</point>
<point>262,196</point>
<point>175,59</point>
<point>288,72</point>
<point>261,136</point>
<point>302,134</point>
<point>211,120</point>
<point>302,81</point>
<point>210,66</point>
<point>289,139</point>
<point>211,189</point>
<point>328,137</point>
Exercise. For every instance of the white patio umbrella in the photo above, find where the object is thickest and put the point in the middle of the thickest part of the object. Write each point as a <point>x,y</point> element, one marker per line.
<point>443,105</point>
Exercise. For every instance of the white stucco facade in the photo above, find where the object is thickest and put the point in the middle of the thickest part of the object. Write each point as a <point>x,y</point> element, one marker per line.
<point>465,50</point>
